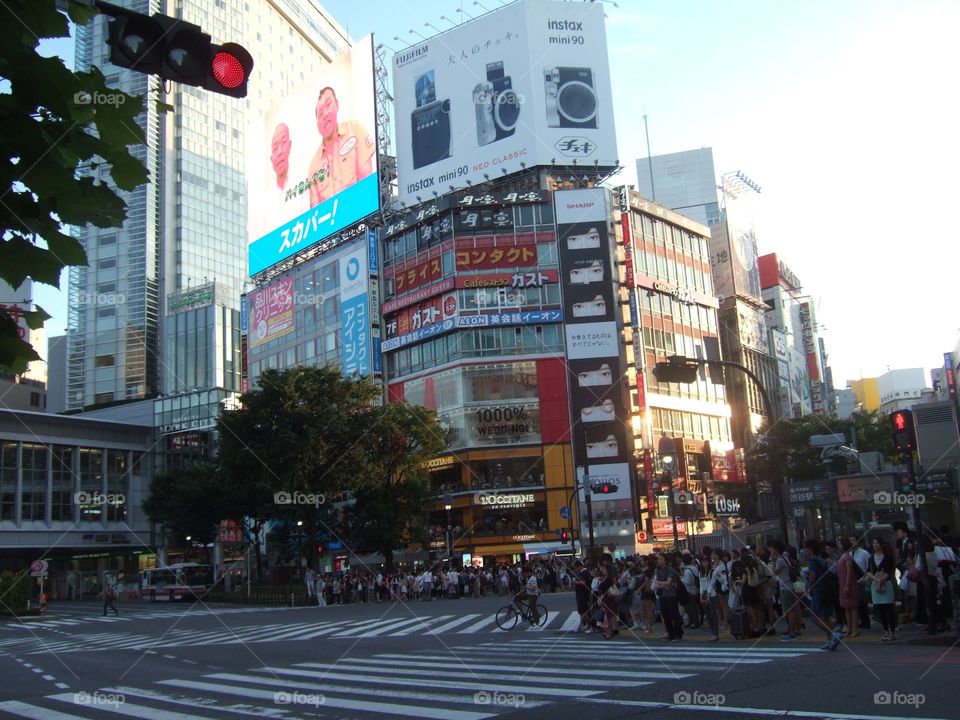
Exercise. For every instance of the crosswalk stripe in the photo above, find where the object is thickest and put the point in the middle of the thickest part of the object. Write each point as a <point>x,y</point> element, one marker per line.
<point>460,659</point>
<point>287,685</point>
<point>671,648</point>
<point>572,622</point>
<point>132,709</point>
<point>195,702</point>
<point>525,689</point>
<point>453,623</point>
<point>477,625</point>
<point>421,626</point>
<point>455,669</point>
<point>367,626</point>
<point>25,710</point>
<point>375,707</point>
<point>332,627</point>
<point>408,624</point>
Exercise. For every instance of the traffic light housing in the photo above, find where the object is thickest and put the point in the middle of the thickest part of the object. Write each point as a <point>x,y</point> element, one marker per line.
<point>677,369</point>
<point>565,536</point>
<point>904,434</point>
<point>604,488</point>
<point>176,50</point>
<point>905,483</point>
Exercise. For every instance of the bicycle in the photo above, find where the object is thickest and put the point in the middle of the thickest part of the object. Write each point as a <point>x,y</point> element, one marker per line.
<point>509,615</point>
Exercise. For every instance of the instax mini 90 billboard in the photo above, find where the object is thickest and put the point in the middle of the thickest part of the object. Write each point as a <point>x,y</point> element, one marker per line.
<point>525,85</point>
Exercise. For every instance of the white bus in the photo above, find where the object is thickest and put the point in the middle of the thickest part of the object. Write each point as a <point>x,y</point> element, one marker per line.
<point>180,581</point>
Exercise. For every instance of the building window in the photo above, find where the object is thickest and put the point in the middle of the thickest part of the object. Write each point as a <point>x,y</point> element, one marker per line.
<point>8,480</point>
<point>34,495</point>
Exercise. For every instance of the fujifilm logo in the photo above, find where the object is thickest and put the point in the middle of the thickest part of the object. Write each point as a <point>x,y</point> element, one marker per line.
<point>410,56</point>
<point>564,25</point>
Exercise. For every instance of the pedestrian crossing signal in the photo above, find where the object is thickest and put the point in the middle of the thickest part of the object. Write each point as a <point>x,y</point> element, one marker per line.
<point>904,435</point>
<point>604,489</point>
<point>565,536</point>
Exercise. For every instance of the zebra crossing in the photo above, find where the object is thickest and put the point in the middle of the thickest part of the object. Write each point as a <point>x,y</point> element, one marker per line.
<point>461,624</point>
<point>72,618</point>
<point>465,683</point>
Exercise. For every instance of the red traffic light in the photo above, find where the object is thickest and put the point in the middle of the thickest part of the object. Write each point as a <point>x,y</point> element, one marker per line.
<point>230,67</point>
<point>564,536</point>
<point>904,435</point>
<point>604,488</point>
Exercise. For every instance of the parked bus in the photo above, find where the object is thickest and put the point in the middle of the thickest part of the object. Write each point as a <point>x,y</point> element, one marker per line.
<point>180,581</point>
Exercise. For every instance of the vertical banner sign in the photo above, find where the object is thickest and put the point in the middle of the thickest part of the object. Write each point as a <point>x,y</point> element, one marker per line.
<point>624,197</point>
<point>951,375</point>
<point>648,479</point>
<point>354,312</point>
<point>601,448</point>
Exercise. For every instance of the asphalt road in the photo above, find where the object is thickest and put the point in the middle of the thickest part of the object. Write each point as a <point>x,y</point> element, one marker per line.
<point>444,659</point>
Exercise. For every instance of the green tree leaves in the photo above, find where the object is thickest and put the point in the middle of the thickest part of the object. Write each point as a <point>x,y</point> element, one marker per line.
<point>53,124</point>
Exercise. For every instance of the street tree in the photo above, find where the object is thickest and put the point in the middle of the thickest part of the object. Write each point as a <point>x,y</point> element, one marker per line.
<point>64,148</point>
<point>391,508</point>
<point>188,501</point>
<point>295,441</point>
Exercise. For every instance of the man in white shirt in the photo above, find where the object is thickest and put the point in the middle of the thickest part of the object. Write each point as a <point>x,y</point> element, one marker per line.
<point>453,580</point>
<point>426,581</point>
<point>530,592</point>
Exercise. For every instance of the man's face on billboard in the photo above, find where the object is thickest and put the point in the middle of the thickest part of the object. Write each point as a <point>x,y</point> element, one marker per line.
<point>327,107</point>
<point>280,150</point>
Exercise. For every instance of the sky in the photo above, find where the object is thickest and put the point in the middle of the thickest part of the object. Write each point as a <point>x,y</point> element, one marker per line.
<point>843,112</point>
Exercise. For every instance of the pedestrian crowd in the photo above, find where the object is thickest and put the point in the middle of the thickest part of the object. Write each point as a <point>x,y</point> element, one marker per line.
<point>432,583</point>
<point>839,589</point>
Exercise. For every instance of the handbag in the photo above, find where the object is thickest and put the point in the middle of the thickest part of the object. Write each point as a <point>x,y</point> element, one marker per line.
<point>913,574</point>
<point>614,592</point>
<point>798,587</point>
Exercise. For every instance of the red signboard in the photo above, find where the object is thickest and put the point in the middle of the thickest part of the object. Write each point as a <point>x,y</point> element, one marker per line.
<point>648,478</point>
<point>721,469</point>
<point>272,310</point>
<point>492,258</point>
<point>628,248</point>
<point>663,528</point>
<point>420,274</point>
<point>436,309</point>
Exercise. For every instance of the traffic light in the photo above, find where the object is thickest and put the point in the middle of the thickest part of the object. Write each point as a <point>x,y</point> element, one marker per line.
<point>677,369</point>
<point>904,436</point>
<point>176,50</point>
<point>564,536</point>
<point>603,488</point>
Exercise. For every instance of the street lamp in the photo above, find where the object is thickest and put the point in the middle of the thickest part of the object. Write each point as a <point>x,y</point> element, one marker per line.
<point>448,506</point>
<point>667,449</point>
<point>680,369</point>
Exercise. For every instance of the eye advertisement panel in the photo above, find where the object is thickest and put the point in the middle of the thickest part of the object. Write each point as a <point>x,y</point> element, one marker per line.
<point>312,161</point>
<point>600,433</point>
<point>524,85</point>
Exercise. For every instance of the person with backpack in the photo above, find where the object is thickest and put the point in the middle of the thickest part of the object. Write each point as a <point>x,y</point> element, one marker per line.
<point>786,573</point>
<point>671,591</point>
<point>821,603</point>
<point>690,575</point>
<point>109,595</point>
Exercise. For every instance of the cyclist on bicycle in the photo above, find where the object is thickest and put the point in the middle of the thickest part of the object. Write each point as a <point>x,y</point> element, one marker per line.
<point>531,593</point>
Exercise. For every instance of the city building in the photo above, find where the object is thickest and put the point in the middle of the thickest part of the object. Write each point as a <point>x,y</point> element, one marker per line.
<point>682,181</point>
<point>867,392</point>
<point>472,320</point>
<point>846,402</point>
<point>57,374</point>
<point>187,226</point>
<point>71,491</point>
<point>673,311</point>
<point>794,340</point>
<point>901,389</point>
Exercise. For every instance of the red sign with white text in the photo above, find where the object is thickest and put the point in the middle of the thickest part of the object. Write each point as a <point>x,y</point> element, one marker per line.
<point>417,296</point>
<point>663,528</point>
<point>492,258</point>
<point>628,248</point>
